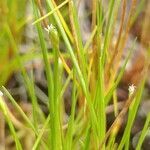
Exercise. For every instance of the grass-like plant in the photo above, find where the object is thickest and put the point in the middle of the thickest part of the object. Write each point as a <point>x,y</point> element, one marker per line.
<point>94,75</point>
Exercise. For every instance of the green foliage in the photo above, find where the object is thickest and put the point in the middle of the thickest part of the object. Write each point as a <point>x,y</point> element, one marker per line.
<point>94,75</point>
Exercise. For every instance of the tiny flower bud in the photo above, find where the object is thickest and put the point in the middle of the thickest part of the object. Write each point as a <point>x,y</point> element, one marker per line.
<point>131,89</point>
<point>53,34</point>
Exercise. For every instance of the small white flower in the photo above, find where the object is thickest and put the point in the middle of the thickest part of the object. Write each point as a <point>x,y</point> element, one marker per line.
<point>49,28</point>
<point>131,89</point>
<point>1,93</point>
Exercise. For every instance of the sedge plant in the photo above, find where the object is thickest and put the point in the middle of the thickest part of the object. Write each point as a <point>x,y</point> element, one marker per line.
<point>94,72</point>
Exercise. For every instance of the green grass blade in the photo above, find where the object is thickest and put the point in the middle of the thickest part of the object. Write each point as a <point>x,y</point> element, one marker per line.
<point>38,139</point>
<point>131,116</point>
<point>70,131</point>
<point>114,86</point>
<point>87,139</point>
<point>45,57</point>
<point>4,108</point>
<point>143,132</point>
<point>51,12</point>
<point>22,113</point>
<point>108,27</point>
<point>74,60</point>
